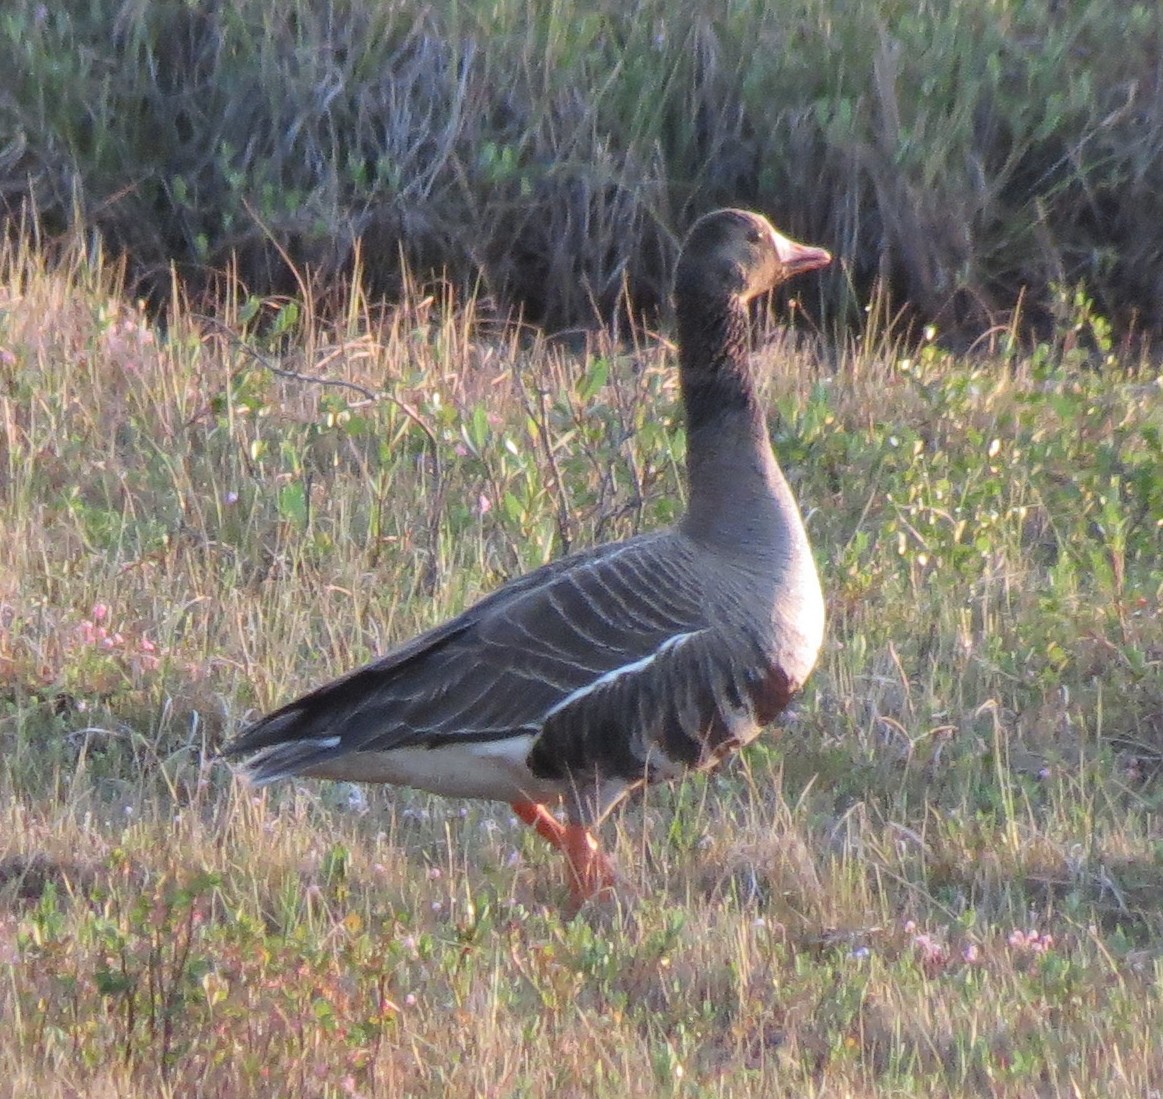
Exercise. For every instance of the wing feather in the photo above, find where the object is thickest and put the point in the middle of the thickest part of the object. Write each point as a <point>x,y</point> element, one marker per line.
<point>499,668</point>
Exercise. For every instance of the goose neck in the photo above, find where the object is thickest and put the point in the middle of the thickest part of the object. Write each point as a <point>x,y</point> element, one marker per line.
<point>737,492</point>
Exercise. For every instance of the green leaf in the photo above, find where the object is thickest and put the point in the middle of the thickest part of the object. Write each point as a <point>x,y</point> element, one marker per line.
<point>286,319</point>
<point>477,430</point>
<point>111,982</point>
<point>249,310</point>
<point>293,503</point>
<point>594,379</point>
<point>513,507</point>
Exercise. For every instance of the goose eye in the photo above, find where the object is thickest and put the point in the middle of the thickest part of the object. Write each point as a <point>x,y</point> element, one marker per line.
<point>753,235</point>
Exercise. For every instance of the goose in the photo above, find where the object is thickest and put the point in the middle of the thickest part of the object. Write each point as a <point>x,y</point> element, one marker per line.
<point>622,665</point>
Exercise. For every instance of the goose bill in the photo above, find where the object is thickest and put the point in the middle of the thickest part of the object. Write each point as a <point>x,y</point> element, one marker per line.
<point>798,258</point>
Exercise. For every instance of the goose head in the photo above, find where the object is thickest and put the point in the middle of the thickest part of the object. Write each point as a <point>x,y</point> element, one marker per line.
<point>739,254</point>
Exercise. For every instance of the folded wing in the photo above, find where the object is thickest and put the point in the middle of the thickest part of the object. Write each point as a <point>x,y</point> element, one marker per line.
<point>541,651</point>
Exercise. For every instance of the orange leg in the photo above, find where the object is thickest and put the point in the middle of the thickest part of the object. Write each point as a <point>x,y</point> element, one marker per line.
<point>590,872</point>
<point>547,825</point>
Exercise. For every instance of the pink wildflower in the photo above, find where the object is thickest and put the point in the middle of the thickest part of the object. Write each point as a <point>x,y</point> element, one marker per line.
<point>932,953</point>
<point>1032,941</point>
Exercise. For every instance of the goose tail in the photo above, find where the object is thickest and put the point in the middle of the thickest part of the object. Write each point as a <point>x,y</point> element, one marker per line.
<point>286,760</point>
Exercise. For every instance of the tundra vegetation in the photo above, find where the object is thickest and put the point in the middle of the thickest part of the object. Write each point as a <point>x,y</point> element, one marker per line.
<point>971,158</point>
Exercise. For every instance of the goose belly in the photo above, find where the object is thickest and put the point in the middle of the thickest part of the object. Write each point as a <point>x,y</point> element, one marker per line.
<point>491,769</point>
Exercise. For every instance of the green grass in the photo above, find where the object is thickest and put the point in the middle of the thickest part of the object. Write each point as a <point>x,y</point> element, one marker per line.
<point>942,875</point>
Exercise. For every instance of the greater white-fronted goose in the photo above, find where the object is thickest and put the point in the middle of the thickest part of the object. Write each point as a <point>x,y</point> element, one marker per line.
<point>617,666</point>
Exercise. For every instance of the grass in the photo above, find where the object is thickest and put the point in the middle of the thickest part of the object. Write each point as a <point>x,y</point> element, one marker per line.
<point>972,161</point>
<point>942,875</point>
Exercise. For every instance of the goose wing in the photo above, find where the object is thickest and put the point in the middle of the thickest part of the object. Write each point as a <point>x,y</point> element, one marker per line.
<point>537,648</point>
